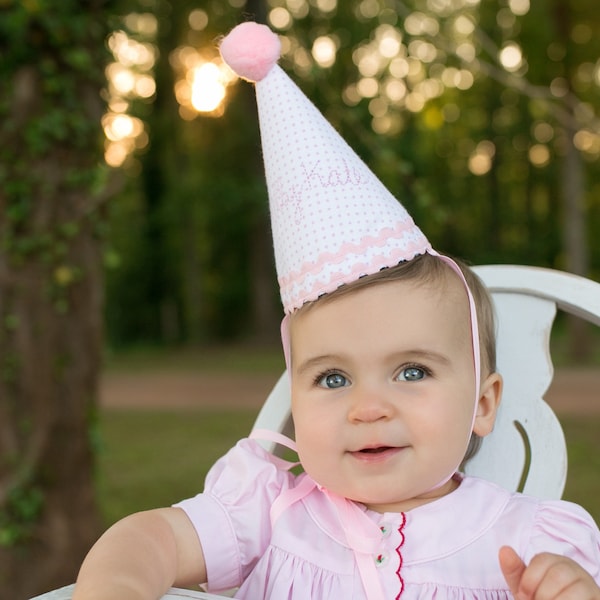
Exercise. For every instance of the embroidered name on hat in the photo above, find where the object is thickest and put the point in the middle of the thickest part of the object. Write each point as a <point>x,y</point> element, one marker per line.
<point>315,175</point>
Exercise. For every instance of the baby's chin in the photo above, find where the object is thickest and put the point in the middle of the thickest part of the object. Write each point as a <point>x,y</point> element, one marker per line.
<point>371,499</point>
<point>419,499</point>
<point>389,503</point>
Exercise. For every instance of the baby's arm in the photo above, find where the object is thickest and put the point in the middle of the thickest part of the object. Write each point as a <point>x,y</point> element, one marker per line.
<point>141,557</point>
<point>547,577</point>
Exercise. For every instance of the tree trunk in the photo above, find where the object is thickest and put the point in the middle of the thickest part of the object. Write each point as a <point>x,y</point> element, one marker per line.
<point>47,396</point>
<point>575,242</point>
<point>50,290</point>
<point>574,234</point>
<point>266,309</point>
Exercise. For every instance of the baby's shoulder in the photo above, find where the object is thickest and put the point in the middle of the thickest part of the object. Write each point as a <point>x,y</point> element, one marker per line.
<point>539,523</point>
<point>521,504</point>
<point>248,469</point>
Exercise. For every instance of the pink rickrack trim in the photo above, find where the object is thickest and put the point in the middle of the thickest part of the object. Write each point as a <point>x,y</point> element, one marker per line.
<point>361,248</point>
<point>293,300</point>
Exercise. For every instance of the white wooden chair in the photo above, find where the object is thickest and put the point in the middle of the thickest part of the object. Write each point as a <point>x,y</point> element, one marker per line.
<point>66,592</point>
<point>527,450</point>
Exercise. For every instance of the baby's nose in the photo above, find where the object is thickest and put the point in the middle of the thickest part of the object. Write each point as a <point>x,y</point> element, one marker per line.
<point>369,406</point>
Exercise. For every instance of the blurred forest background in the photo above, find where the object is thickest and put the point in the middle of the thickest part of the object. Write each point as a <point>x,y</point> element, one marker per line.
<point>133,208</point>
<point>480,116</point>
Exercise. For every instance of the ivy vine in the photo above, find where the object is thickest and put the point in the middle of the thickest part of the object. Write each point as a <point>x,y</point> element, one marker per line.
<point>53,60</point>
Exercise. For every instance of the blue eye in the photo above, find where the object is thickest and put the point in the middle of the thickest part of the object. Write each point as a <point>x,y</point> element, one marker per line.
<point>412,374</point>
<point>332,380</point>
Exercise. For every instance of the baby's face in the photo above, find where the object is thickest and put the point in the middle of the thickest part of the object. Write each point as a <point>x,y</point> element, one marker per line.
<point>383,391</point>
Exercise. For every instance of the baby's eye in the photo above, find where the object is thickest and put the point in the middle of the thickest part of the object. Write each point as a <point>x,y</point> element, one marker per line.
<point>412,374</point>
<point>332,380</point>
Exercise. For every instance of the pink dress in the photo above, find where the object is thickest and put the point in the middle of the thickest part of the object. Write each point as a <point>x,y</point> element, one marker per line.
<point>446,549</point>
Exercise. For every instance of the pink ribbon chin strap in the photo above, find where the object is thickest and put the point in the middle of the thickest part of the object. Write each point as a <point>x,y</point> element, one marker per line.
<point>474,323</point>
<point>476,354</point>
<point>362,535</point>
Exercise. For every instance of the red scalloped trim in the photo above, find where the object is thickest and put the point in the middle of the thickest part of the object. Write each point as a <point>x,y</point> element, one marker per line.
<point>400,559</point>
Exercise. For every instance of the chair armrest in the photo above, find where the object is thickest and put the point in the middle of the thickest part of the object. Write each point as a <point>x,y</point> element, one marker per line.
<point>66,592</point>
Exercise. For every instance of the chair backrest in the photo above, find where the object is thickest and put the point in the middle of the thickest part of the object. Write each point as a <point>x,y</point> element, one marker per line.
<point>527,450</point>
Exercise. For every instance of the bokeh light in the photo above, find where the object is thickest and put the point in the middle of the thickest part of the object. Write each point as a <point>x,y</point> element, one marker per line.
<point>280,18</point>
<point>207,87</point>
<point>539,155</point>
<point>324,51</point>
<point>326,6</point>
<point>202,79</point>
<point>130,78</point>
<point>511,57</point>
<point>480,160</point>
<point>198,19</point>
<point>519,7</point>
<point>587,141</point>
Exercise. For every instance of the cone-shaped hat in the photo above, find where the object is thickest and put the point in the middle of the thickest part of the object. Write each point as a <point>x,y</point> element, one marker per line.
<point>333,221</point>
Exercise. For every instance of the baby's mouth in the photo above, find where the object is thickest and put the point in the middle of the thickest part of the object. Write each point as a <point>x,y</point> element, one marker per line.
<point>376,454</point>
<point>377,450</point>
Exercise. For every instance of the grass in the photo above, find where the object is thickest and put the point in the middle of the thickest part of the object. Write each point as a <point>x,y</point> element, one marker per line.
<point>211,359</point>
<point>154,458</point>
<point>583,478</point>
<point>562,348</point>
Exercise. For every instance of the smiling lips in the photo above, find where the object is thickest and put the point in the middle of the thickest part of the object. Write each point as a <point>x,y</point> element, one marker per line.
<point>376,453</point>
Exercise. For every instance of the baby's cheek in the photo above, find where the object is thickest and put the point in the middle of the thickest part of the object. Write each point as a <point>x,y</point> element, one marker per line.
<point>310,453</point>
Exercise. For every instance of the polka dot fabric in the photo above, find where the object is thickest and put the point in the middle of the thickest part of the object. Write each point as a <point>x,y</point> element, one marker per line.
<point>333,221</point>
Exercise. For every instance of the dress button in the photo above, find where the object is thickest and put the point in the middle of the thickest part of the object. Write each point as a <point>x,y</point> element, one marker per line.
<point>381,559</point>
<point>385,529</point>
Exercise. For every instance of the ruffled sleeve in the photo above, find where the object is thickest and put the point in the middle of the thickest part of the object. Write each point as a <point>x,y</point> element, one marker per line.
<point>232,516</point>
<point>567,529</point>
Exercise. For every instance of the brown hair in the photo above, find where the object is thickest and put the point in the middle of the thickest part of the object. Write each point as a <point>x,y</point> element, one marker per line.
<point>426,268</point>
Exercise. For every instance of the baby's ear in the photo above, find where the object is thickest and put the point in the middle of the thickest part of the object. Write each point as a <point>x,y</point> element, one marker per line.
<point>487,406</point>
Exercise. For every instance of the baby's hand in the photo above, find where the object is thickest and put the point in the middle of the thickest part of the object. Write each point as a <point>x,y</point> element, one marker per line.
<point>547,577</point>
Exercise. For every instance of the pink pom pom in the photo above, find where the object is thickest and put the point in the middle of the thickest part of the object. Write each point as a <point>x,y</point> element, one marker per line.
<point>251,50</point>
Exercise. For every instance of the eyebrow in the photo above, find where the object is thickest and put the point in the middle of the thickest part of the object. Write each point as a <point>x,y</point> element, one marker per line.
<point>401,356</point>
<point>318,361</point>
<point>427,355</point>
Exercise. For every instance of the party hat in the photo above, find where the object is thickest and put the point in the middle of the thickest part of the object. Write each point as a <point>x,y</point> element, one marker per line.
<point>332,220</point>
